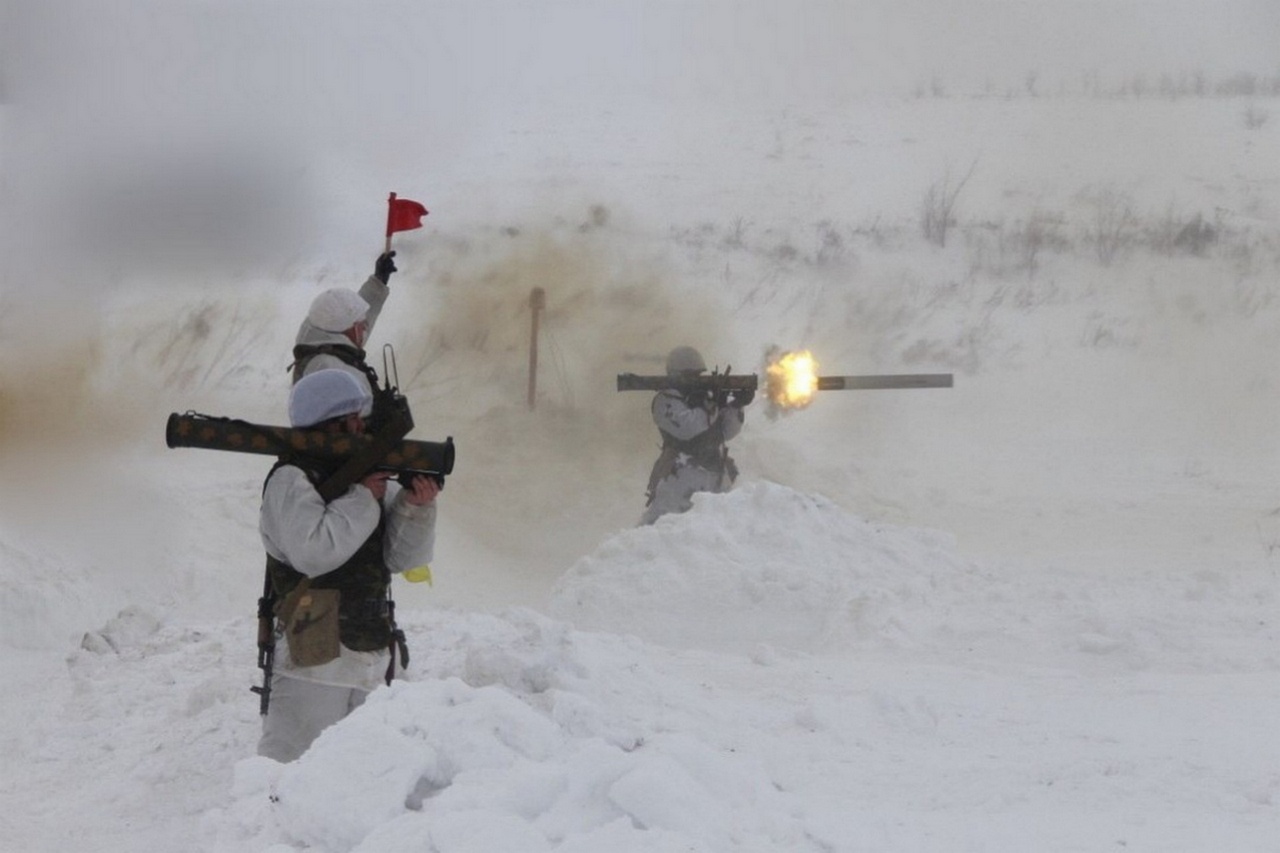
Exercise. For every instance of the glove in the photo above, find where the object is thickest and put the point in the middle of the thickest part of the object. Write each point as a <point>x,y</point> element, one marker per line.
<point>699,399</point>
<point>385,266</point>
<point>743,397</point>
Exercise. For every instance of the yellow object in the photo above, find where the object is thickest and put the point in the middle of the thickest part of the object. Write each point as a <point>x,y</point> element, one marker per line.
<point>418,575</point>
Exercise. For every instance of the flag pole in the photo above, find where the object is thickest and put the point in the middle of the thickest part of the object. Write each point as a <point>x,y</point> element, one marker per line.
<point>391,203</point>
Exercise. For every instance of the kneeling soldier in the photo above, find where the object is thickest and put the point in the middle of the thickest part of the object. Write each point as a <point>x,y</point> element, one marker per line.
<point>694,428</point>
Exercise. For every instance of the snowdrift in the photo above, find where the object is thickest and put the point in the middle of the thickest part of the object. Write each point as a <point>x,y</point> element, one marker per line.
<point>766,565</point>
<point>600,731</point>
<point>766,569</point>
<point>520,732</point>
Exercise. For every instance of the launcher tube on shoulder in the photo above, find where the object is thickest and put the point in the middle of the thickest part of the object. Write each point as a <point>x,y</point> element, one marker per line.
<point>687,384</point>
<point>403,457</point>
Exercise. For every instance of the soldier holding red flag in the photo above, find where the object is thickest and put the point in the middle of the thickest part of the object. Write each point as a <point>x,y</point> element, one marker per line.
<point>340,321</point>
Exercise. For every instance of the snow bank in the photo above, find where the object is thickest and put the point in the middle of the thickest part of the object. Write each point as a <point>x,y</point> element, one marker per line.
<point>766,569</point>
<point>524,735</point>
<point>766,564</point>
<point>515,731</point>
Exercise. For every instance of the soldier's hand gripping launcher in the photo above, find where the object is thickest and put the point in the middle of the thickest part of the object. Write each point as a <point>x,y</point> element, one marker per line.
<point>385,450</point>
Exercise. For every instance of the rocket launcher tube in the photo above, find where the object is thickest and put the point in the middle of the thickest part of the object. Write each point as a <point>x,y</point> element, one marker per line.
<point>686,384</point>
<point>749,381</point>
<point>404,457</point>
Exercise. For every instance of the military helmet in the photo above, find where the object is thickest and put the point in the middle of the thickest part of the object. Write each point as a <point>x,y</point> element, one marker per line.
<point>685,359</point>
<point>337,310</point>
<point>326,394</point>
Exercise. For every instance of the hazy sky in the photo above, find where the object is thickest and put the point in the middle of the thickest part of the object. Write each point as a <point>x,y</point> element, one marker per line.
<point>175,64</point>
<point>100,88</point>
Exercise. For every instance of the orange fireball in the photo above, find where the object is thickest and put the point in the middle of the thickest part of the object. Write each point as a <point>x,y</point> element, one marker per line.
<point>792,380</point>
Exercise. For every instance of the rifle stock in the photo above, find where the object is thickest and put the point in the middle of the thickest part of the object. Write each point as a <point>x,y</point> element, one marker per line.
<point>363,454</point>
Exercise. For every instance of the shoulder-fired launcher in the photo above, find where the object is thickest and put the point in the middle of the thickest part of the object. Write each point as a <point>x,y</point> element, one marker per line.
<point>368,453</point>
<point>686,384</point>
<point>750,382</point>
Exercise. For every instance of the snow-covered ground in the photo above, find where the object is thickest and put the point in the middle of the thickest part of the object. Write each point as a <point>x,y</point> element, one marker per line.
<point>1031,612</point>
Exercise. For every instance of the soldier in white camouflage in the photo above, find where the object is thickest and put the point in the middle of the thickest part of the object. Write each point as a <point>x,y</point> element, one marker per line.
<point>337,327</point>
<point>694,427</point>
<point>330,565</point>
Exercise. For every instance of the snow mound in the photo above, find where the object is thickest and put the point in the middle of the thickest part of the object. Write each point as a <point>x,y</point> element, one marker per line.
<point>542,738</point>
<point>766,570</point>
<point>765,564</point>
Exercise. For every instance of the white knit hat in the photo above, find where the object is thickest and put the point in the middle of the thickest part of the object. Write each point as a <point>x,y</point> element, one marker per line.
<point>337,310</point>
<point>326,394</point>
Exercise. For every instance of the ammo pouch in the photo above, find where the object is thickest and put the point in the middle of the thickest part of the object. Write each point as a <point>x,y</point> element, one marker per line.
<point>309,618</point>
<point>366,625</point>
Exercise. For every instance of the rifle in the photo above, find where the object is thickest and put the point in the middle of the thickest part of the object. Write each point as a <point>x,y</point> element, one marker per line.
<point>266,643</point>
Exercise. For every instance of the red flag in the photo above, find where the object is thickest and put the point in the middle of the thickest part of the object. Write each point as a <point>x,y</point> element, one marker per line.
<point>403,214</point>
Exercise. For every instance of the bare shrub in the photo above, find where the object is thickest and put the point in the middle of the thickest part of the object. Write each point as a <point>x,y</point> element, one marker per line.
<point>1245,83</point>
<point>1039,233</point>
<point>597,217</point>
<point>1199,84</point>
<point>1254,118</point>
<point>696,237</point>
<point>831,244</point>
<point>736,238</point>
<point>1102,331</point>
<point>1113,225</point>
<point>1179,234</point>
<point>207,346</point>
<point>784,253</point>
<point>873,232</point>
<point>1017,248</point>
<point>938,206</point>
<point>1135,86</point>
<point>1195,236</point>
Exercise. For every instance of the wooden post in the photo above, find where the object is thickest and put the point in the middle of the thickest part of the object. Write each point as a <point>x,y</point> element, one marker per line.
<point>537,301</point>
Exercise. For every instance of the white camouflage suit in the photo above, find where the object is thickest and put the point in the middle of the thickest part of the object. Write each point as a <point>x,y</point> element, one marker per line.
<point>313,537</point>
<point>373,292</point>
<point>686,420</point>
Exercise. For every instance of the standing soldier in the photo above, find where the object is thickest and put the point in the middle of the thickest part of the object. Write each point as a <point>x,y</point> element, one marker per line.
<point>329,565</point>
<point>338,324</point>
<point>694,426</point>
